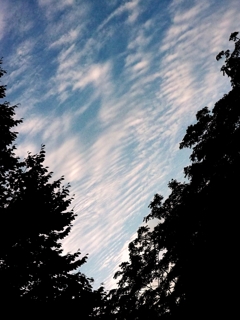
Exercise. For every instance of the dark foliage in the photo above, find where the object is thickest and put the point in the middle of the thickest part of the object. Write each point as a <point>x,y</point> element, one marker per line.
<point>35,217</point>
<point>186,267</point>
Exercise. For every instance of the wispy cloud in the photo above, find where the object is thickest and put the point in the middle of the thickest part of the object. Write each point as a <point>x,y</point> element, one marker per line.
<point>3,22</point>
<point>111,96</point>
<point>52,7</point>
<point>67,39</point>
<point>131,7</point>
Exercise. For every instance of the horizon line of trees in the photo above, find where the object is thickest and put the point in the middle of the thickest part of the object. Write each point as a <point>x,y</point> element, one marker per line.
<point>186,267</point>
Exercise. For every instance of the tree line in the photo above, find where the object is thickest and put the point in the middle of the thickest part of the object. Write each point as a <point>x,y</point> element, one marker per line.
<point>185,267</point>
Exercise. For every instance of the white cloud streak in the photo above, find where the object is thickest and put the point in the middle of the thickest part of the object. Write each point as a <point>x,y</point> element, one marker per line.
<point>114,131</point>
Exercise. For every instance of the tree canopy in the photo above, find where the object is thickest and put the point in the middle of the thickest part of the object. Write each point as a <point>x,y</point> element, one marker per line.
<point>35,217</point>
<point>185,268</point>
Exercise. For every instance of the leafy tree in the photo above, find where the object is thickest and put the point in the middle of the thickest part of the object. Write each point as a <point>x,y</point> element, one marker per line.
<point>35,217</point>
<point>185,268</point>
<point>232,62</point>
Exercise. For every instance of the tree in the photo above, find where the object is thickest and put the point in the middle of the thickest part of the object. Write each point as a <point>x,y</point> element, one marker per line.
<point>232,62</point>
<point>8,161</point>
<point>186,266</point>
<point>35,217</point>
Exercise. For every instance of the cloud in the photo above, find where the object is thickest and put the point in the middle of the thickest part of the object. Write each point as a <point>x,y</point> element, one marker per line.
<point>3,14</point>
<point>55,5</point>
<point>112,110</point>
<point>140,65</point>
<point>131,7</point>
<point>68,38</point>
<point>95,75</point>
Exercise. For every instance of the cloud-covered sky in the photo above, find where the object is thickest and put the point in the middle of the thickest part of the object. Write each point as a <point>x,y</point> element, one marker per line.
<point>110,87</point>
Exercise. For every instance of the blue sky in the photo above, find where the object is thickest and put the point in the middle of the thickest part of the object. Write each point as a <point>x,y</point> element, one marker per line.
<point>110,87</point>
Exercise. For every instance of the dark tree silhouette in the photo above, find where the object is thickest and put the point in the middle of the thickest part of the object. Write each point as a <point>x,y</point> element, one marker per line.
<point>35,217</point>
<point>8,161</point>
<point>232,62</point>
<point>186,267</point>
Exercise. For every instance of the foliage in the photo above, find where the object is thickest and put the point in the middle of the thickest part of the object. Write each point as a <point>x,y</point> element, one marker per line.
<point>35,217</point>
<point>232,62</point>
<point>185,267</point>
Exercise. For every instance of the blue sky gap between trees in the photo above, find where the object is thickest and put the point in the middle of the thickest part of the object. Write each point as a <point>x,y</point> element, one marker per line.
<point>110,87</point>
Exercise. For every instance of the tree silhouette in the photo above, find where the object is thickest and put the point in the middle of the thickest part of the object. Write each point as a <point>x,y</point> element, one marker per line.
<point>185,268</point>
<point>35,217</point>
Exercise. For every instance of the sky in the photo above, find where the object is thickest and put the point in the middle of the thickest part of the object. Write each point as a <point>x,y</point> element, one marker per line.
<point>110,88</point>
